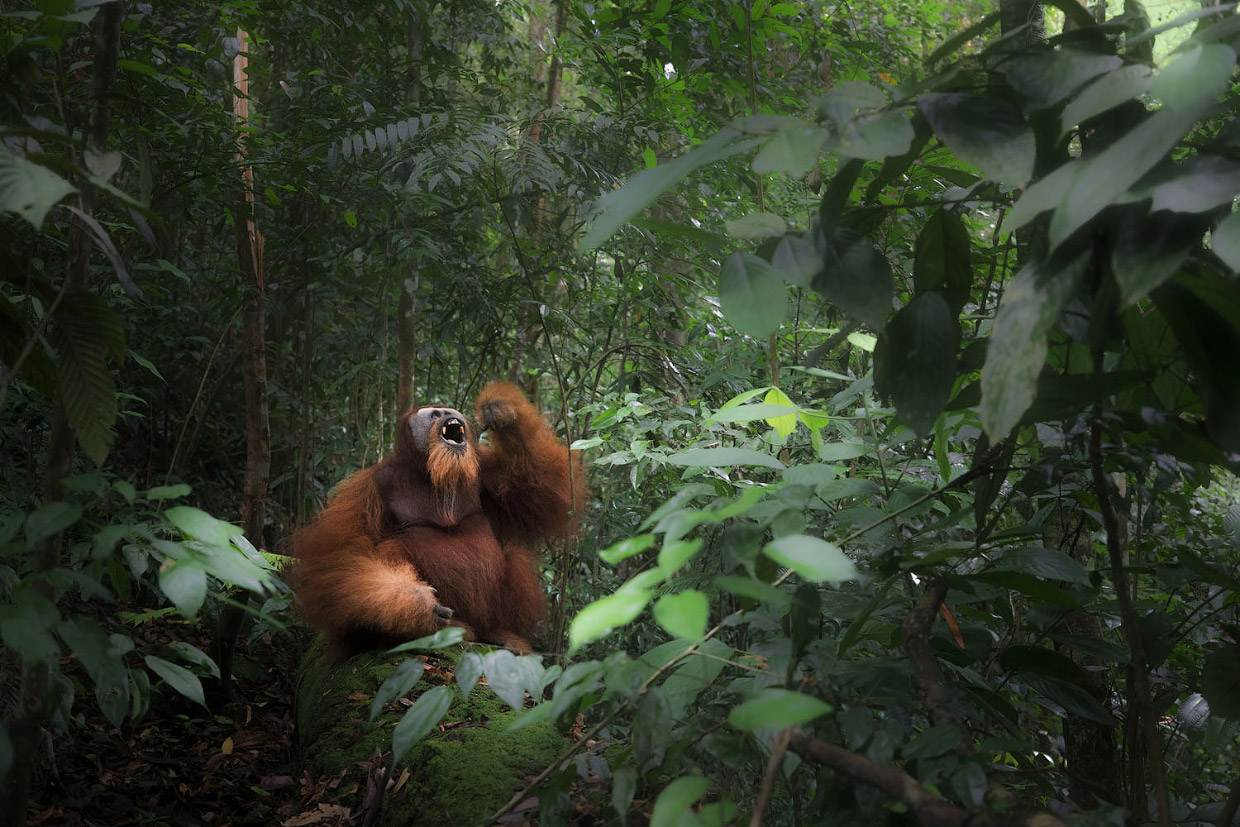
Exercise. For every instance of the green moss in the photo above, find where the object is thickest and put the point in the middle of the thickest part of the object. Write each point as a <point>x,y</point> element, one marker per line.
<point>468,768</point>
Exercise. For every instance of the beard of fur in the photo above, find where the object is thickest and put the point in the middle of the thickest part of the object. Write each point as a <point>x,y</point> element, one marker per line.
<point>450,472</point>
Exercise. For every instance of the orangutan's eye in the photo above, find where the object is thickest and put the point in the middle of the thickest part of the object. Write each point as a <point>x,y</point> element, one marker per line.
<point>436,414</point>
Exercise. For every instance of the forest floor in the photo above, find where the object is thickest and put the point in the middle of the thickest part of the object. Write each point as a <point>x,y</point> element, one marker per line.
<point>183,766</point>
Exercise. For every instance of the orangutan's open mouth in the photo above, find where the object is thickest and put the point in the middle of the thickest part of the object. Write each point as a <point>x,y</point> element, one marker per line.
<point>452,430</point>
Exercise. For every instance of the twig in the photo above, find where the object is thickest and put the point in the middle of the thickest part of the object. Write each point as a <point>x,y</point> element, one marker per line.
<point>1128,619</point>
<point>768,777</point>
<point>35,334</point>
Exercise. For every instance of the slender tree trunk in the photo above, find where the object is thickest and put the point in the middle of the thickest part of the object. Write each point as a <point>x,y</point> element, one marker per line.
<point>406,340</point>
<point>254,372</point>
<point>25,723</point>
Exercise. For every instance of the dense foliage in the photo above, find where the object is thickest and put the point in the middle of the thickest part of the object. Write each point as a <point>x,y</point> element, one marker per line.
<point>905,368</point>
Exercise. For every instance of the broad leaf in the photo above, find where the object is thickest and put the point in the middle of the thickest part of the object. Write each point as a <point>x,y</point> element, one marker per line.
<point>756,225</point>
<point>202,526</point>
<point>1196,77</point>
<point>1197,185</point>
<point>723,457</point>
<point>426,712</point>
<point>626,548</point>
<point>1050,563</point>
<point>1031,305</point>
<point>1149,249</point>
<point>776,709</point>
<point>751,295</point>
<point>397,685</point>
<point>793,151</point>
<point>1225,241</point>
<point>50,519</point>
<point>915,361</point>
<point>1106,93</point>
<point>1048,78</point>
<point>29,189</point>
<point>811,557</point>
<point>987,132</point>
<point>86,333</point>
<point>784,423</point>
<point>104,664</point>
<point>856,277</point>
<point>943,259</point>
<point>510,677</point>
<point>798,259</point>
<point>184,582</point>
<point>875,137</point>
<point>684,614</point>
<point>179,678</point>
<point>670,809</point>
<point>603,615</point>
<point>1219,679</point>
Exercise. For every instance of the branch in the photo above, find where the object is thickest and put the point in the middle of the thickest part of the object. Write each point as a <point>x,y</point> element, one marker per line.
<point>929,809</point>
<point>928,681</point>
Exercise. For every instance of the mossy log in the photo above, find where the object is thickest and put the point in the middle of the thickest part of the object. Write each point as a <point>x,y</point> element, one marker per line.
<point>463,771</point>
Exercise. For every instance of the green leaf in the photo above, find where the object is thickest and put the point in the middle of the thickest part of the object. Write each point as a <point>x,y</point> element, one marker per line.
<point>811,557</point>
<point>752,588</point>
<point>603,615</point>
<point>751,295</point>
<point>684,614</point>
<point>987,132</point>
<point>840,451</point>
<point>202,526</point>
<point>752,412</point>
<point>798,259</point>
<point>1225,241</point>
<point>874,137</point>
<point>1199,184</point>
<point>28,189</point>
<point>104,664</point>
<point>723,457</point>
<point>179,678</point>
<point>1038,660</point>
<point>616,208</point>
<point>168,492</point>
<point>1106,93</point>
<point>397,685</point>
<point>50,519</point>
<point>1046,79</point>
<point>195,656</point>
<point>856,277</point>
<point>670,809</point>
<point>626,548</point>
<point>776,709</point>
<point>784,424</point>
<point>623,786</point>
<point>426,712</point>
<point>942,261</point>
<point>468,670</point>
<point>26,621</point>
<point>1050,563</point>
<point>756,225</point>
<point>1096,183</point>
<point>184,582</point>
<point>675,553</point>
<point>843,100</point>
<point>510,677</point>
<point>915,361</point>
<point>86,332</point>
<point>1149,249</point>
<point>1219,678</point>
<point>1196,77</point>
<point>1017,351</point>
<point>793,151</point>
<point>440,640</point>
<point>937,740</point>
<point>1073,698</point>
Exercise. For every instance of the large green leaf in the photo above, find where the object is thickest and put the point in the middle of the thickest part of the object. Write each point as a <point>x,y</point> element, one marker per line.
<point>1196,77</point>
<point>751,295</point>
<point>756,225</point>
<point>856,278</point>
<point>874,137</point>
<point>103,660</point>
<point>793,151</point>
<point>943,258</point>
<point>397,685</point>
<point>915,360</point>
<point>987,132</point>
<point>1225,241</point>
<point>51,518</point>
<point>723,457</point>
<point>603,615</point>
<point>671,807</point>
<point>1199,184</point>
<point>1031,305</point>
<point>1149,249</point>
<point>798,259</point>
<point>1219,679</point>
<point>616,208</point>
<point>1046,79</point>
<point>184,582</point>
<point>28,189</point>
<point>1050,563</point>
<point>420,719</point>
<point>776,709</point>
<point>1107,92</point>
<point>811,557</point>
<point>683,614</point>
<point>179,678</point>
<point>85,333</point>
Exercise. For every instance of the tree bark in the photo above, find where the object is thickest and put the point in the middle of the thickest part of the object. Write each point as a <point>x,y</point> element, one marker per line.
<point>25,723</point>
<point>254,372</point>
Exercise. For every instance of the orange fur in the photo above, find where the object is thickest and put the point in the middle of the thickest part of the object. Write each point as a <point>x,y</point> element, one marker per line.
<point>420,531</point>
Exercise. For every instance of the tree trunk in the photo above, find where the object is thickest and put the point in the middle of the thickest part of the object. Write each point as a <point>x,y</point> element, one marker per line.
<point>25,723</point>
<point>406,340</point>
<point>254,371</point>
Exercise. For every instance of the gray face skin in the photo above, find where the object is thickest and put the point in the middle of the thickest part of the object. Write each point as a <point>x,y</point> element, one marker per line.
<point>445,424</point>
